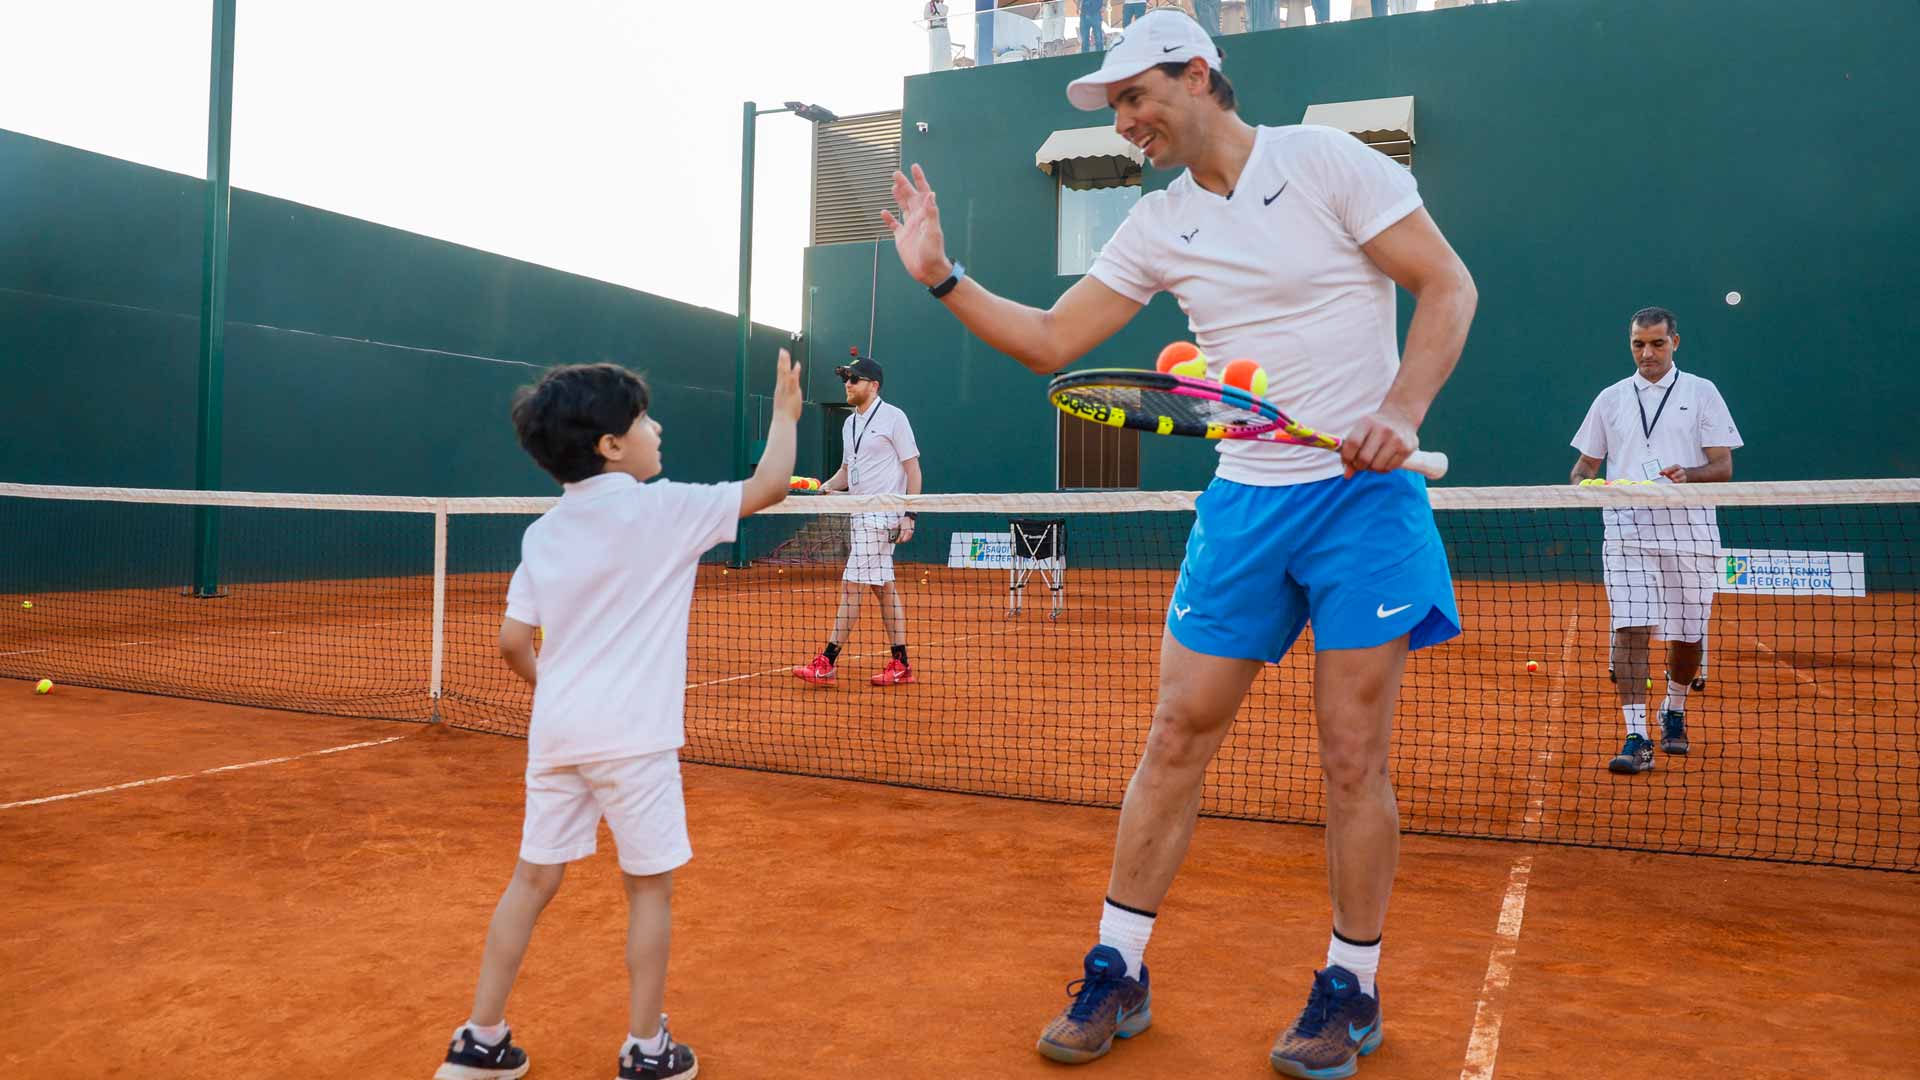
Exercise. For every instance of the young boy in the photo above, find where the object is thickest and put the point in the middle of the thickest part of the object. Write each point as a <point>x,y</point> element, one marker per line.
<point>608,575</point>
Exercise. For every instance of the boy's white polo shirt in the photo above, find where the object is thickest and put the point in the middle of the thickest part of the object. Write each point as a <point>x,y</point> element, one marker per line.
<point>608,576</point>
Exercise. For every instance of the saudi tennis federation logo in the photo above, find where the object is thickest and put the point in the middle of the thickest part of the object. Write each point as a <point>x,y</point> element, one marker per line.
<point>1736,569</point>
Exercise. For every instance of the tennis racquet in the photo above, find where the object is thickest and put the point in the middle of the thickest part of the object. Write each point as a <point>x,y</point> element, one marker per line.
<point>1167,404</point>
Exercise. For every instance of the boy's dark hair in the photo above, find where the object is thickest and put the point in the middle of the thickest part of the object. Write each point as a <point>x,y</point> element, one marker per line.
<point>560,418</point>
<point>1217,84</point>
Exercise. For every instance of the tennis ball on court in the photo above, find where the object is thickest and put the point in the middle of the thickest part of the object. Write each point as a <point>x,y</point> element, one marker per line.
<point>1533,665</point>
<point>44,686</point>
<point>1248,375</point>
<point>1649,682</point>
<point>26,605</point>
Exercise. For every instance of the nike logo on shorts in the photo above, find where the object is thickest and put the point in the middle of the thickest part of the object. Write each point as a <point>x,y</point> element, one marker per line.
<point>1382,611</point>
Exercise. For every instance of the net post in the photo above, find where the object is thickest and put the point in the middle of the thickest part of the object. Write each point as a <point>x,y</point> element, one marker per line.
<point>439,602</point>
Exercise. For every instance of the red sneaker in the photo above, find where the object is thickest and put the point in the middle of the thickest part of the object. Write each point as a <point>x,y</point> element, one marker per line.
<point>820,671</point>
<point>893,674</point>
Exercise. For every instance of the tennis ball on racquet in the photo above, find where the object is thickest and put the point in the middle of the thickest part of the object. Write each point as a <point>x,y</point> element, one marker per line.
<point>1248,375</point>
<point>44,686</point>
<point>1182,358</point>
<point>1533,665</point>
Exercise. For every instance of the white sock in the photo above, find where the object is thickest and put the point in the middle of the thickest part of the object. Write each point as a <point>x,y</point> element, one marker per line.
<point>491,1034</point>
<point>1362,960</point>
<point>1636,719</point>
<point>1126,932</point>
<point>1676,696</point>
<point>649,1047</point>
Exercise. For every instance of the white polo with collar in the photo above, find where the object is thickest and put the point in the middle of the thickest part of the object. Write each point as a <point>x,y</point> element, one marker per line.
<point>1639,428</point>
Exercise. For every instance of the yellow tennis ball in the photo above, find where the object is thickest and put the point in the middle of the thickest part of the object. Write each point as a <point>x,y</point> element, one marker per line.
<point>1649,682</point>
<point>1532,666</point>
<point>27,605</point>
<point>44,686</point>
<point>1248,375</point>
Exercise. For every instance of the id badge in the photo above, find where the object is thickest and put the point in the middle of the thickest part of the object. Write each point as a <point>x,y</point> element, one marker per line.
<point>853,475</point>
<point>1650,469</point>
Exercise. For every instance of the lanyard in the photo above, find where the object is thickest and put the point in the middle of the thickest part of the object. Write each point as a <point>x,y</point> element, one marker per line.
<point>1646,426</point>
<point>860,432</point>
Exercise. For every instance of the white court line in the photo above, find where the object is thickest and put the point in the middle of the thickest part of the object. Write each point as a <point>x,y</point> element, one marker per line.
<point>202,772</point>
<point>1483,1047</point>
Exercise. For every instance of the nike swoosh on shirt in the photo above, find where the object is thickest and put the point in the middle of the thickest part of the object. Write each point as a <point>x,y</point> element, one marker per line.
<point>1275,195</point>
<point>1382,612</point>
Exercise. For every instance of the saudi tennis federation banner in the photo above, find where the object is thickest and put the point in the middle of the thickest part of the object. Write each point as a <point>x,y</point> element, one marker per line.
<point>1793,573</point>
<point>980,551</point>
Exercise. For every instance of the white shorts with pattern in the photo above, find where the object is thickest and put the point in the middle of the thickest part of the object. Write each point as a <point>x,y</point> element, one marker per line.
<point>870,553</point>
<point>1666,587</point>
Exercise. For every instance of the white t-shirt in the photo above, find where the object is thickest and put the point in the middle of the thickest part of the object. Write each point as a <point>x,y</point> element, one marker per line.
<point>1275,273</point>
<point>1686,414</point>
<point>876,445</point>
<point>608,576</point>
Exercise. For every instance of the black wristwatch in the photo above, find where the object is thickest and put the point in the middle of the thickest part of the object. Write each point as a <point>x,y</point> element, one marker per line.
<point>939,292</point>
<point>910,514</point>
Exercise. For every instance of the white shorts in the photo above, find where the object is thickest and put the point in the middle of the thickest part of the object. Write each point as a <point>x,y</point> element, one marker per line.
<point>870,553</point>
<point>1663,587</point>
<point>639,796</point>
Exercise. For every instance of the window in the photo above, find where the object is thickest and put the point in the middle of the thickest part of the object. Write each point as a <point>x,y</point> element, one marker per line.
<point>1097,456</point>
<point>1095,196</point>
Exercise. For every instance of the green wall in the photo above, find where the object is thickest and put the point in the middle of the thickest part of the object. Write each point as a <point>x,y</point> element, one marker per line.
<point>360,358</point>
<point>1585,157</point>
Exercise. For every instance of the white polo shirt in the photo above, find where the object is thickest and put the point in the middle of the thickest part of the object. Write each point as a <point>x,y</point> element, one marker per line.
<point>608,576</point>
<point>1275,272</point>
<point>1639,428</point>
<point>876,445</point>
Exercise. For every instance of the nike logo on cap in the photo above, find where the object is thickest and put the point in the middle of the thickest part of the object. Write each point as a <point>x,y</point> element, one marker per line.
<point>1384,613</point>
<point>1165,49</point>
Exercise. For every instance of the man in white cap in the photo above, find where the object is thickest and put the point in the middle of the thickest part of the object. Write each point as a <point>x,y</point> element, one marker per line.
<point>1282,244</point>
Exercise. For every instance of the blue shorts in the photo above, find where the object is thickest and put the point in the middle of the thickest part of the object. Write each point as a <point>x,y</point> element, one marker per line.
<point>1361,558</point>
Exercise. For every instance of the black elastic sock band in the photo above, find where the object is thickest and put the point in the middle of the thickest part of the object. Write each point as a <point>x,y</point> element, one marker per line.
<point>900,653</point>
<point>1132,910</point>
<point>1350,941</point>
<point>831,652</point>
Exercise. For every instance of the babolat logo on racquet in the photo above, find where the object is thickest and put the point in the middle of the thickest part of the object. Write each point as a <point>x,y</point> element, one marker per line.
<point>1097,412</point>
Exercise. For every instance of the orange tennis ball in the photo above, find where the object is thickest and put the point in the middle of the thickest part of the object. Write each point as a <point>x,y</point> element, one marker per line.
<point>1532,666</point>
<point>1248,375</point>
<point>1177,353</point>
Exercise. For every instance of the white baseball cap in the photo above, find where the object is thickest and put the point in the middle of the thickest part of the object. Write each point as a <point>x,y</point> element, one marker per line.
<point>1161,36</point>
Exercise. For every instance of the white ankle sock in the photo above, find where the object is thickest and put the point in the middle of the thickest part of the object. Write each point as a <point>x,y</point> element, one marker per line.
<point>649,1047</point>
<point>1127,932</point>
<point>491,1034</point>
<point>1362,960</point>
<point>1676,697</point>
<point>1636,719</point>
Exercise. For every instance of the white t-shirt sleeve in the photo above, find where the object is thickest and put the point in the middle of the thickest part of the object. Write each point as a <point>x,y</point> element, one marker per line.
<point>904,447</point>
<point>1591,439</point>
<point>1716,423</point>
<point>520,603</point>
<point>1126,264</point>
<point>703,515</point>
<point>1366,190</point>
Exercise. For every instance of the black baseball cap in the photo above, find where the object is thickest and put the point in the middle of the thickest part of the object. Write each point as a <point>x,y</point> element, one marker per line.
<point>863,367</point>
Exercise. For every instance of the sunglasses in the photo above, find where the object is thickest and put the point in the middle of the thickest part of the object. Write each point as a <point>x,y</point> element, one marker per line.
<point>851,379</point>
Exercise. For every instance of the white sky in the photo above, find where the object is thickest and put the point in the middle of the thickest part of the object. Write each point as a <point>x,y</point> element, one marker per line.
<point>596,136</point>
<point>600,137</point>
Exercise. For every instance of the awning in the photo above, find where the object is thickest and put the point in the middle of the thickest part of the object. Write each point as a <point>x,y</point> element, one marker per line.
<point>1379,120</point>
<point>1090,154</point>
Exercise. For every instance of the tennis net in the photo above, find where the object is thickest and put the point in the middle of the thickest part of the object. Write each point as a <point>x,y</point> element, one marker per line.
<point>1033,625</point>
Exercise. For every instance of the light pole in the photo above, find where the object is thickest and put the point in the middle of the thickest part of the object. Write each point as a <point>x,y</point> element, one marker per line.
<point>748,113</point>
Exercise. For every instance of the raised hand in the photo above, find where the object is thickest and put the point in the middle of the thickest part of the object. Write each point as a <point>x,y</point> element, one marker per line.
<point>916,232</point>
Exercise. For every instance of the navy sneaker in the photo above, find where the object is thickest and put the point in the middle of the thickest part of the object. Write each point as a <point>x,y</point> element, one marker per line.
<point>1107,1004</point>
<point>1673,732</point>
<point>676,1060</point>
<point>470,1059</point>
<point>1635,757</point>
<point>1339,1026</point>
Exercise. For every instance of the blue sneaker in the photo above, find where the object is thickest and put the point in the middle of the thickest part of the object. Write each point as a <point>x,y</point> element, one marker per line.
<point>1107,1003</point>
<point>1339,1026</point>
<point>1673,732</point>
<point>1635,757</point>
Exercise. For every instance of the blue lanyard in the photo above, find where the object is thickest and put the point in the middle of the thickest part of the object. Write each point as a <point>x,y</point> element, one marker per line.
<point>1646,426</point>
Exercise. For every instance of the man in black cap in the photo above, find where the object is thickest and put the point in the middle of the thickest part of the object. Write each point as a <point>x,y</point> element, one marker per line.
<point>878,457</point>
